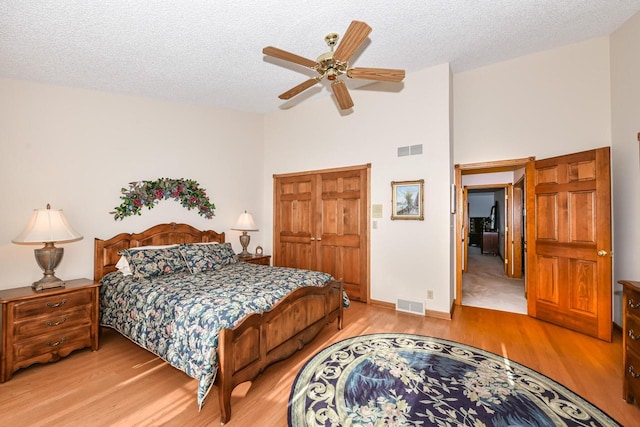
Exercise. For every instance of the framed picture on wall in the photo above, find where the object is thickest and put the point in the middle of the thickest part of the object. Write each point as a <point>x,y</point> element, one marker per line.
<point>407,200</point>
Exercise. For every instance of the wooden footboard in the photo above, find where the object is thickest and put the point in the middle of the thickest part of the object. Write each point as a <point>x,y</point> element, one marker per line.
<point>262,339</point>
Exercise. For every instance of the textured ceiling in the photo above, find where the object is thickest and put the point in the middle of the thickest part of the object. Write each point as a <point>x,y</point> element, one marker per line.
<point>209,52</point>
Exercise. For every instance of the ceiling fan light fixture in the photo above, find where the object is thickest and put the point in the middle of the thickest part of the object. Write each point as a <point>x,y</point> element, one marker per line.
<point>334,64</point>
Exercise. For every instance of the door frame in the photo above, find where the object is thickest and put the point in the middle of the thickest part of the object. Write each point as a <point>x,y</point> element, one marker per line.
<point>475,168</point>
<point>504,214</point>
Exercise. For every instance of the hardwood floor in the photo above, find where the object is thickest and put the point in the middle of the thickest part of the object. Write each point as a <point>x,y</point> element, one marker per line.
<point>123,385</point>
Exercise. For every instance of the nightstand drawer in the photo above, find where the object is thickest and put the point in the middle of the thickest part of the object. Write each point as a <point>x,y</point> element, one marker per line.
<point>52,303</point>
<point>632,304</point>
<point>54,345</point>
<point>632,374</point>
<point>53,322</point>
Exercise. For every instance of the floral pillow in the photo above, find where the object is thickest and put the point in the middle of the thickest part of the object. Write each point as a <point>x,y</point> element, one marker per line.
<point>223,254</point>
<point>147,263</point>
<point>197,257</point>
<point>205,257</point>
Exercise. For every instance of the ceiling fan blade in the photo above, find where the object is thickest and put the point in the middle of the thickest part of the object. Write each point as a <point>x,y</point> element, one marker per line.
<point>355,35</point>
<point>342,94</point>
<point>380,74</point>
<point>288,56</point>
<point>297,89</point>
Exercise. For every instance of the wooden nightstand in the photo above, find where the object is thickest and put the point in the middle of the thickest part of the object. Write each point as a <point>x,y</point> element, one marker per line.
<point>631,341</point>
<point>490,242</point>
<point>257,259</point>
<point>42,327</point>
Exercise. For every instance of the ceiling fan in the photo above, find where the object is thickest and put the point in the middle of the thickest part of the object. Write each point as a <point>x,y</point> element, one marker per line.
<point>336,63</point>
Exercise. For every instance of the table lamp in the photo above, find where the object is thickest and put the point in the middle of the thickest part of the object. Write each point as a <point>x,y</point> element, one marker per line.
<point>245,223</point>
<point>48,226</point>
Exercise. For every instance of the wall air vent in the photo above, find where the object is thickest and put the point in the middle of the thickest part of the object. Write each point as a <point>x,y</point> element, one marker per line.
<point>410,150</point>
<point>408,306</point>
<point>404,151</point>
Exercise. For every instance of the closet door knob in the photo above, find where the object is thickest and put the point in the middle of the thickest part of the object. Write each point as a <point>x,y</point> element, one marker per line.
<point>602,252</point>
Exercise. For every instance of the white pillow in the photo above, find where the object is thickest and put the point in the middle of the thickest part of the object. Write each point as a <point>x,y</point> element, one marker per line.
<point>137,248</point>
<point>123,265</point>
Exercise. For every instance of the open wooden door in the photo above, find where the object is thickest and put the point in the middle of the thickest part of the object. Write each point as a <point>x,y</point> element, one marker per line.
<point>465,234</point>
<point>569,241</point>
<point>508,230</point>
<point>517,234</point>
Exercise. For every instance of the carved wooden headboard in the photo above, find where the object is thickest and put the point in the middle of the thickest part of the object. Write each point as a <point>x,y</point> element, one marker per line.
<point>106,251</point>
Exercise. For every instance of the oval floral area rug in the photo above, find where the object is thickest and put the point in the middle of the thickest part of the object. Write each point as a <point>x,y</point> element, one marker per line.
<point>412,380</point>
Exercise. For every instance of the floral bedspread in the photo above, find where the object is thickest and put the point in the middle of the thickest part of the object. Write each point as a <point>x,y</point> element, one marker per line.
<point>178,316</point>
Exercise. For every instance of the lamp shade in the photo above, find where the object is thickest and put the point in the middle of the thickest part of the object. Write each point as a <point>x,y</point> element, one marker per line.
<point>245,223</point>
<point>47,225</point>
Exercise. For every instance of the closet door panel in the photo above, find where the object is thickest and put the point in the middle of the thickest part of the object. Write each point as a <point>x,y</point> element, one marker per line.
<point>294,222</point>
<point>344,200</point>
<point>296,255</point>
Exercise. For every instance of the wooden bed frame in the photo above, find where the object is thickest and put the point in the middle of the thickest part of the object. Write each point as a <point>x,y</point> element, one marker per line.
<point>260,339</point>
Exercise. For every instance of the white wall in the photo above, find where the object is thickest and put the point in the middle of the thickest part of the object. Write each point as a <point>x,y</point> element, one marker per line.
<point>625,121</point>
<point>407,257</point>
<point>550,103</point>
<point>480,204</point>
<point>76,149</point>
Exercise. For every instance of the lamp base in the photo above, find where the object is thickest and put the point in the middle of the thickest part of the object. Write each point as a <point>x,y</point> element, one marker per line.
<point>48,259</point>
<point>45,283</point>
<point>244,241</point>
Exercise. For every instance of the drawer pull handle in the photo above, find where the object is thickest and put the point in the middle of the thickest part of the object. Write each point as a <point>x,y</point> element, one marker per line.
<point>60,304</point>
<point>64,319</point>
<point>57,343</point>
<point>631,304</point>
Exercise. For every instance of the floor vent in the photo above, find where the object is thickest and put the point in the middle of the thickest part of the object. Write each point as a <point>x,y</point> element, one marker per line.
<point>408,306</point>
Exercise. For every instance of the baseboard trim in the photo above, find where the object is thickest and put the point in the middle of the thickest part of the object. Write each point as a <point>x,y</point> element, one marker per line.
<point>427,313</point>
<point>383,304</point>
<point>617,327</point>
<point>442,314</point>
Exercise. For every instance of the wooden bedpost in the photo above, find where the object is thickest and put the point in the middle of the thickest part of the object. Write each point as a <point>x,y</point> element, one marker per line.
<point>225,387</point>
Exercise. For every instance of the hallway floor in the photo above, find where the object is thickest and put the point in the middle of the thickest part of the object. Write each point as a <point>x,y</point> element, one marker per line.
<point>485,285</point>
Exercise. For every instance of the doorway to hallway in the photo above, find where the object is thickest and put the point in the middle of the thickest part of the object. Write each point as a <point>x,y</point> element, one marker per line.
<point>485,285</point>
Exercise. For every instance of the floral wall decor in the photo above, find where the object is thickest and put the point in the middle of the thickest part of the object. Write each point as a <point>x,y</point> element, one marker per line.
<point>147,193</point>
